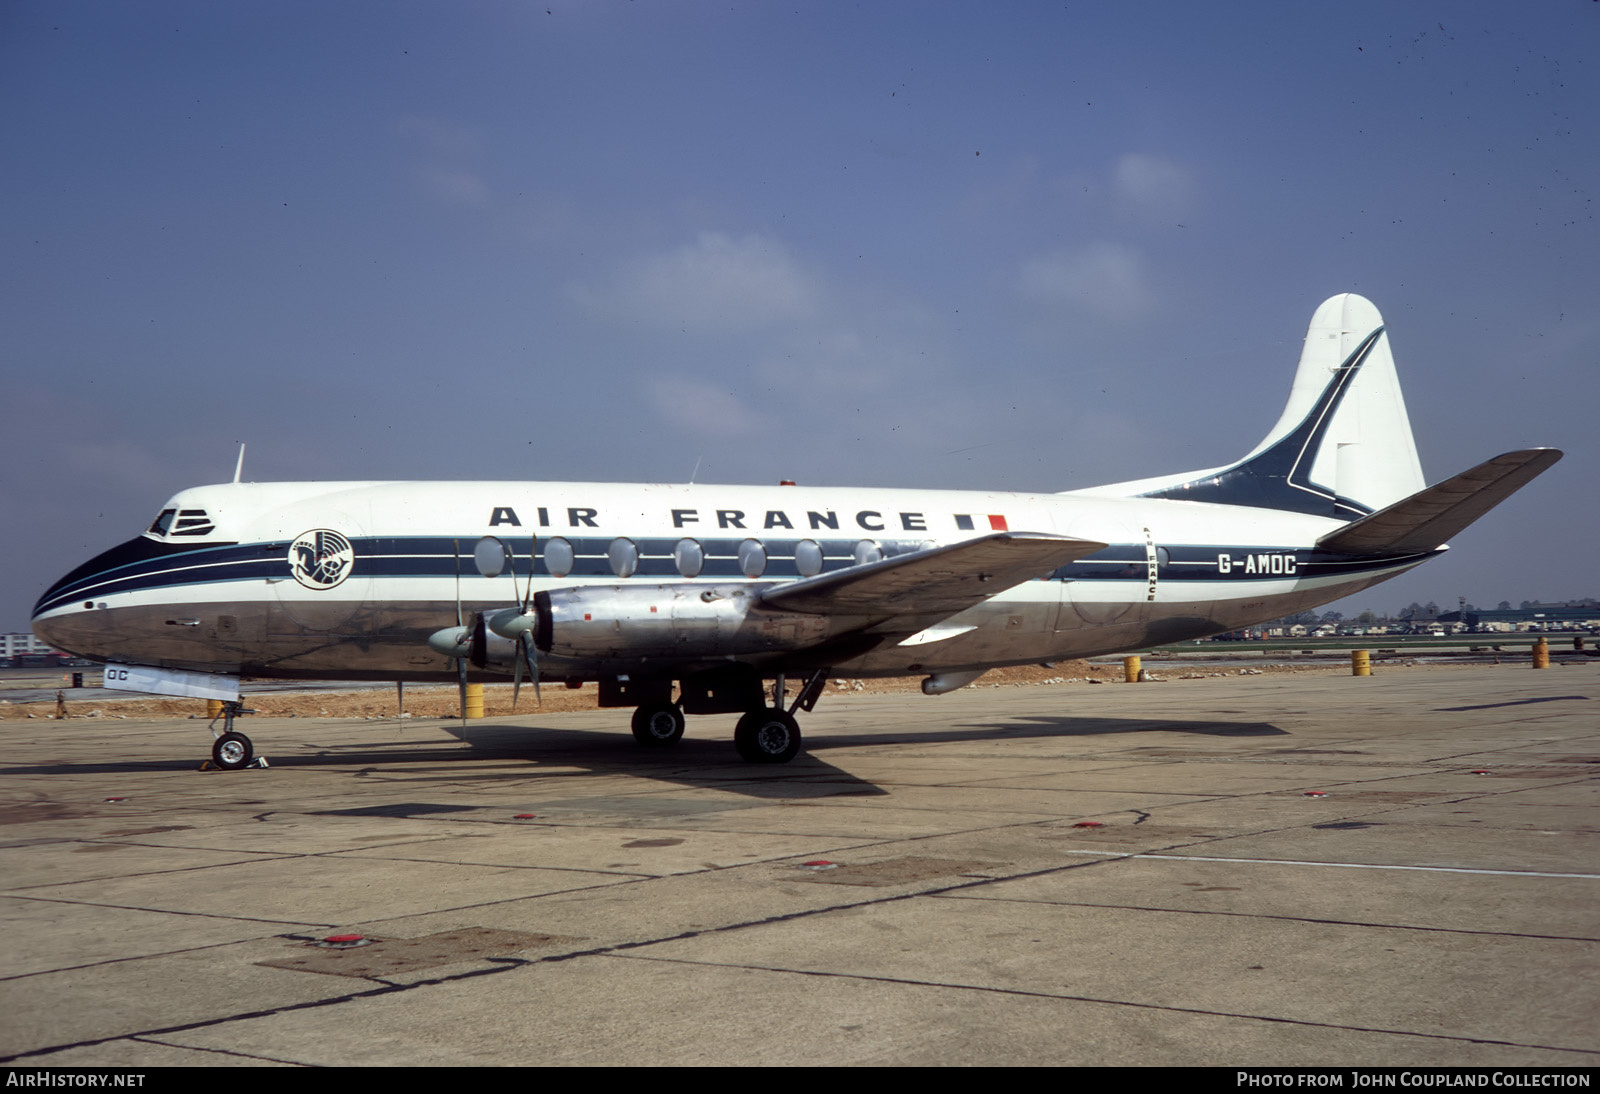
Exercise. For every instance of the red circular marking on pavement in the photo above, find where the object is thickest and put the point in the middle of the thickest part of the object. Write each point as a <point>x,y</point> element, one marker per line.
<point>1316,793</point>
<point>1089,824</point>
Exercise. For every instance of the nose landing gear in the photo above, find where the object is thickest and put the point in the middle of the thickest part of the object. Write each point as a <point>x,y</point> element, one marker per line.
<point>232,750</point>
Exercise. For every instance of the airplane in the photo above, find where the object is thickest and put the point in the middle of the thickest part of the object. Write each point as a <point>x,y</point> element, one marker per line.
<point>727,592</point>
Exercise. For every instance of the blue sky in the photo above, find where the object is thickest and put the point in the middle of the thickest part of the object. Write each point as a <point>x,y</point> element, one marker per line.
<point>1016,246</point>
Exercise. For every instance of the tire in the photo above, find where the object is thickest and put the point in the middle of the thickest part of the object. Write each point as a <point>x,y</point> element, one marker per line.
<point>658,725</point>
<point>769,736</point>
<point>231,751</point>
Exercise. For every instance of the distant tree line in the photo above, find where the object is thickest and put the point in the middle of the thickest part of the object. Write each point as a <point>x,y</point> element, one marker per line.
<point>1415,612</point>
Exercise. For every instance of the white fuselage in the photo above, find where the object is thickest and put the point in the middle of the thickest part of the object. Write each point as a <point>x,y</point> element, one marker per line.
<point>348,580</point>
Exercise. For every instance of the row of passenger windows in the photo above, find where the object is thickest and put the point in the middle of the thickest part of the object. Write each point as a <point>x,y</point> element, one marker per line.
<point>491,556</point>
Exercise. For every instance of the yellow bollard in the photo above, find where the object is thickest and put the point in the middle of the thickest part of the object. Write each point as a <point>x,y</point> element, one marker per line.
<point>1541,654</point>
<point>213,708</point>
<point>474,702</point>
<point>1360,662</point>
<point>1130,670</point>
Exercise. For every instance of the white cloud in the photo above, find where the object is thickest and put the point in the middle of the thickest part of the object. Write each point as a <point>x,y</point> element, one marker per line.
<point>1107,279</point>
<point>445,147</point>
<point>455,187</point>
<point>700,407</point>
<point>1151,182</point>
<point>716,283</point>
<point>439,137</point>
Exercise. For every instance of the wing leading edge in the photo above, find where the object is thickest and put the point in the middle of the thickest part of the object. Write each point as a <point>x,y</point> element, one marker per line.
<point>939,581</point>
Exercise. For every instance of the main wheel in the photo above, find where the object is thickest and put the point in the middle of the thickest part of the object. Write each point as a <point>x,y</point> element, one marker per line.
<point>656,725</point>
<point>770,736</point>
<point>231,751</point>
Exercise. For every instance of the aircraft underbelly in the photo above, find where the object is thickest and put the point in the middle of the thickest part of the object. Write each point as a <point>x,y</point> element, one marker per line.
<point>257,629</point>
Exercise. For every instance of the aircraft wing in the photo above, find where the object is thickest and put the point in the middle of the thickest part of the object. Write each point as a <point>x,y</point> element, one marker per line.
<point>1430,517</point>
<point>938,582</point>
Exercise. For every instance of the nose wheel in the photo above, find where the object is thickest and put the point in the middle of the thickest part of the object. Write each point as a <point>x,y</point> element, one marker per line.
<point>232,750</point>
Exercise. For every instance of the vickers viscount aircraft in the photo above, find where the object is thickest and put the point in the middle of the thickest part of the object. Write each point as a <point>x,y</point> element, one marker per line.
<point>701,599</point>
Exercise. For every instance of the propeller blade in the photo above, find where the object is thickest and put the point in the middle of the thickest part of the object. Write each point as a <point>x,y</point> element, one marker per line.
<point>533,552</point>
<point>532,653</point>
<point>516,675</point>
<point>457,543</point>
<point>527,654</point>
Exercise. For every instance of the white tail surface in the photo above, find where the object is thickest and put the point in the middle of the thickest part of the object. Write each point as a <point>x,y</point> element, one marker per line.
<point>1342,447</point>
<point>1367,453</point>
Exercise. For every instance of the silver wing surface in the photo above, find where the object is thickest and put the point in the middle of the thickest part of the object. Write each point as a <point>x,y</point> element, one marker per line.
<point>934,583</point>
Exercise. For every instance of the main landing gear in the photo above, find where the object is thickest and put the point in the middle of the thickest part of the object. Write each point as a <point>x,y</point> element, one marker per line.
<point>764,735</point>
<point>231,750</point>
<point>770,736</point>
<point>656,725</point>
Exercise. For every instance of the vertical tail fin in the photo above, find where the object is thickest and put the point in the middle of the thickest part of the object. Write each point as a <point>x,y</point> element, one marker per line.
<point>1343,446</point>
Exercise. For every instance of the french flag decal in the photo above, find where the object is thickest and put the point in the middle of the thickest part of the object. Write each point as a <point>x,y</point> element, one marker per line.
<point>997,522</point>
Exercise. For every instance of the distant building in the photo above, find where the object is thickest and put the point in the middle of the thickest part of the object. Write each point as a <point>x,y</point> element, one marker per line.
<point>1573,615</point>
<point>22,645</point>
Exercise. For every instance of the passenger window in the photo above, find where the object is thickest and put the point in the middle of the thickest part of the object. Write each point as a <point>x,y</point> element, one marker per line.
<point>807,558</point>
<point>690,557</point>
<point>867,551</point>
<point>752,558</point>
<point>558,557</point>
<point>489,556</point>
<point>624,557</point>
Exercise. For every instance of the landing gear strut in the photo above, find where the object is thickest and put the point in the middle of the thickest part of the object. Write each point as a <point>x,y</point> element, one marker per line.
<point>231,750</point>
<point>772,735</point>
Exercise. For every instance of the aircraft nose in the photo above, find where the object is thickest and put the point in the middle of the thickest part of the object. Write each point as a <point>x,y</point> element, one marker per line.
<point>69,616</point>
<point>60,625</point>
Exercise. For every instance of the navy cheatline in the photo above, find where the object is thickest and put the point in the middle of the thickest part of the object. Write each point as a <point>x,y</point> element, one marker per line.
<point>1280,476</point>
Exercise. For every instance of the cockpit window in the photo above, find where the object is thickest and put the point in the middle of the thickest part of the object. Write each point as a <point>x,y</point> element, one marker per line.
<point>193,522</point>
<point>182,522</point>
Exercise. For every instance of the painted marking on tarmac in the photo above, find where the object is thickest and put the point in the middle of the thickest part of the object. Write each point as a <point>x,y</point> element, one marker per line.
<point>1343,865</point>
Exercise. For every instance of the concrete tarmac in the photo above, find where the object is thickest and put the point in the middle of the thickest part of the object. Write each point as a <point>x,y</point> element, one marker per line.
<point>1288,870</point>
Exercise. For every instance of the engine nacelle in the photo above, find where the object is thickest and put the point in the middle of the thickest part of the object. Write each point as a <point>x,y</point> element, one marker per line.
<point>603,622</point>
<point>478,644</point>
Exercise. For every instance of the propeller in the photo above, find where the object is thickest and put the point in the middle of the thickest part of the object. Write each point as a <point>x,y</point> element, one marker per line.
<point>456,642</point>
<point>517,624</point>
<point>468,639</point>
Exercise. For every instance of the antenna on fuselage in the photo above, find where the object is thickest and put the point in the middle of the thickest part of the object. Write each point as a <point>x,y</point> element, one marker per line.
<point>696,470</point>
<point>238,468</point>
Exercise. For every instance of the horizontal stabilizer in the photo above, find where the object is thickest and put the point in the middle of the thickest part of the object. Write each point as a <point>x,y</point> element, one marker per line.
<point>1428,518</point>
<point>938,581</point>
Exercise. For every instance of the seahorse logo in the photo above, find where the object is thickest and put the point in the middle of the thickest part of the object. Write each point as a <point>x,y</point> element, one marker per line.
<point>321,559</point>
